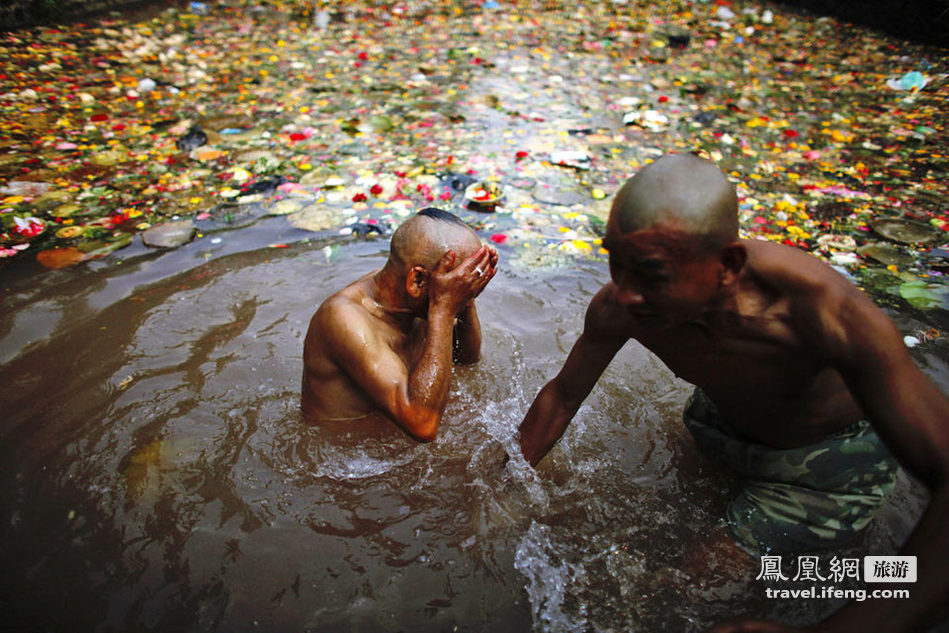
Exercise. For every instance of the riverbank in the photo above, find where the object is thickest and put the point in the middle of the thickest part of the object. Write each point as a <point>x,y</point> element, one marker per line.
<point>202,119</point>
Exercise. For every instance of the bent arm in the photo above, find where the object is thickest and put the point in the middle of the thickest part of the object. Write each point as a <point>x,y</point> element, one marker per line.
<point>911,415</point>
<point>558,401</point>
<point>418,402</point>
<point>467,339</point>
<point>413,399</point>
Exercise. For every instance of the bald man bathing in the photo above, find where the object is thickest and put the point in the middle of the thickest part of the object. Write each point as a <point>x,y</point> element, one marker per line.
<point>797,372</point>
<point>387,341</point>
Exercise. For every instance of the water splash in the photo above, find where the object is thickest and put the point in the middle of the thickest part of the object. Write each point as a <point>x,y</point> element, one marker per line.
<point>550,580</point>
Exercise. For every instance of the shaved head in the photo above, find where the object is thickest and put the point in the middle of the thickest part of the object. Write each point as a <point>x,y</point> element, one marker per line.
<point>425,237</point>
<point>681,191</point>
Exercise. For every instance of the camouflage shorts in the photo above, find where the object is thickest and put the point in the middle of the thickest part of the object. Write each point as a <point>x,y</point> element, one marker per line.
<point>798,499</point>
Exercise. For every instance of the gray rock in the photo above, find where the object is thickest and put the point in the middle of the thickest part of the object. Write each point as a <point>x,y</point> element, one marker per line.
<point>906,231</point>
<point>170,234</point>
<point>557,195</point>
<point>887,255</point>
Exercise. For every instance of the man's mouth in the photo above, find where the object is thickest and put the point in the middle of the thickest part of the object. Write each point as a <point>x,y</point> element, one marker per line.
<point>639,313</point>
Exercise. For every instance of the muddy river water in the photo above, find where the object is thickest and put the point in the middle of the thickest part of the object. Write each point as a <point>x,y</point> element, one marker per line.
<point>155,474</point>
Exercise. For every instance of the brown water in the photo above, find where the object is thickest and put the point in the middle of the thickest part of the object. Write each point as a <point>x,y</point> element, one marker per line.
<point>156,475</point>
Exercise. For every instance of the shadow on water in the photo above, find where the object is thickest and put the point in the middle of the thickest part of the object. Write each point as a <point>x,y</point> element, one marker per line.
<point>156,475</point>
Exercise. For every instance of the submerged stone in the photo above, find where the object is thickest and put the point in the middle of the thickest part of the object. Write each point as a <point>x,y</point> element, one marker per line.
<point>560,196</point>
<point>66,210</point>
<point>51,199</point>
<point>887,255</point>
<point>316,217</point>
<point>285,207</point>
<point>25,188</point>
<point>907,231</point>
<point>56,258</point>
<point>101,248</point>
<point>170,235</point>
<point>194,138</point>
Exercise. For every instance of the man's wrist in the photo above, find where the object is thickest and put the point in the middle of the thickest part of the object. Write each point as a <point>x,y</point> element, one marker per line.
<point>439,313</point>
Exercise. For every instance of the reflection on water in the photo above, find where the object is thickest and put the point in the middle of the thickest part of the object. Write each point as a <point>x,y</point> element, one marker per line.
<point>156,475</point>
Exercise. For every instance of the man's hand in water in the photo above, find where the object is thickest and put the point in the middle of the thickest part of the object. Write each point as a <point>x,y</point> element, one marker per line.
<point>454,286</point>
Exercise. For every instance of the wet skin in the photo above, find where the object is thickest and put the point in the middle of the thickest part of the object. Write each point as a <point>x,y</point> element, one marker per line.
<point>373,348</point>
<point>745,347</point>
<point>788,350</point>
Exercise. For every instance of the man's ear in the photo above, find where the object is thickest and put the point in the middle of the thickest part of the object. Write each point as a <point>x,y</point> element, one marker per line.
<point>733,259</point>
<point>416,282</point>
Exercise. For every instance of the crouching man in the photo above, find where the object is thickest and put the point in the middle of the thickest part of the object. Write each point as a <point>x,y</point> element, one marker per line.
<point>803,385</point>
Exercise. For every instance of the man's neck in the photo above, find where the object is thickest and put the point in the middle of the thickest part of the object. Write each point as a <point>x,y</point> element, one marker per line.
<point>383,289</point>
<point>742,303</point>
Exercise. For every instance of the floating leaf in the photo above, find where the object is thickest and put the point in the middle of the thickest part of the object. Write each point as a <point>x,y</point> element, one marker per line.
<point>919,294</point>
<point>56,258</point>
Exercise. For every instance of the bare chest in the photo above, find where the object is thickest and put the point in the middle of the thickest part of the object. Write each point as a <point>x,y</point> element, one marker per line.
<point>409,345</point>
<point>766,383</point>
<point>757,360</point>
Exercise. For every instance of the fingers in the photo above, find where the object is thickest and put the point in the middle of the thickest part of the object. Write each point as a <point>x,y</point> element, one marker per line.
<point>475,272</point>
<point>487,265</point>
<point>446,263</point>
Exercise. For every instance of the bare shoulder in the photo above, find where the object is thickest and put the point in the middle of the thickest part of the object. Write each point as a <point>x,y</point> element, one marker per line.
<point>792,269</point>
<point>824,305</point>
<point>805,281</point>
<point>341,309</point>
<point>340,322</point>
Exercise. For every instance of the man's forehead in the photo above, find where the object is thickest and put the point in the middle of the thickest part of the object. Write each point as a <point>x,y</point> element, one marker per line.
<point>663,235</point>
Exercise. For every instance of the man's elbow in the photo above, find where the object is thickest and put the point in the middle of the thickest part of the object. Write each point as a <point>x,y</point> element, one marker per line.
<point>423,428</point>
<point>424,435</point>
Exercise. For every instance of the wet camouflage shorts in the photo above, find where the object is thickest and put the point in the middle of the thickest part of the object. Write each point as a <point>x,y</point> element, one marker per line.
<point>798,499</point>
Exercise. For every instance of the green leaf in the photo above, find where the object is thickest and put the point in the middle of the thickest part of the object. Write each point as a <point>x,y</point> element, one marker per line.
<point>919,294</point>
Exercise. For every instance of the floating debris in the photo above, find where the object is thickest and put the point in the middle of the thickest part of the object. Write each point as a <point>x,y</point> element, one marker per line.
<point>194,139</point>
<point>483,196</point>
<point>119,126</point>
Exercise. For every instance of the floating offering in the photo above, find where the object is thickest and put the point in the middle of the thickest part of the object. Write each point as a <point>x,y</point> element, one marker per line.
<point>483,196</point>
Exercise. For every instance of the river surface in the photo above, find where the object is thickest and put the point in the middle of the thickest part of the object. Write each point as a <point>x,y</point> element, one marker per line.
<point>155,474</point>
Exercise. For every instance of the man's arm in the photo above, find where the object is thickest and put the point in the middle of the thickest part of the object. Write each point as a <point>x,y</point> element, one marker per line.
<point>467,339</point>
<point>911,415</point>
<point>558,401</point>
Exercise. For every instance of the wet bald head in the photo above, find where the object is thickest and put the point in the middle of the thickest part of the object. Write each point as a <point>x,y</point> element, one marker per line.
<point>425,237</point>
<point>682,191</point>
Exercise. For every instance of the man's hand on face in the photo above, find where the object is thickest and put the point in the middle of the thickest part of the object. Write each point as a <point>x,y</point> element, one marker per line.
<point>453,286</point>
